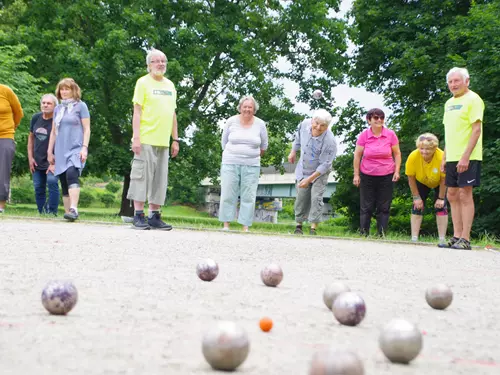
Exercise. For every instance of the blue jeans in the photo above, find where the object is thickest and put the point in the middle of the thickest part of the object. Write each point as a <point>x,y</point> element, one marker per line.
<point>242,181</point>
<point>40,181</point>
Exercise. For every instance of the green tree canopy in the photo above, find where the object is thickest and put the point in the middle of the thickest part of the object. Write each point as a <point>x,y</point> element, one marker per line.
<point>217,51</point>
<point>404,50</point>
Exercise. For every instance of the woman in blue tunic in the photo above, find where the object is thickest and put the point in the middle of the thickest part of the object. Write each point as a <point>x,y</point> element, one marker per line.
<point>69,143</point>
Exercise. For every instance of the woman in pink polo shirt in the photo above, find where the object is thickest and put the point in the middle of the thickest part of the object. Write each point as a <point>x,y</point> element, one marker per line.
<point>377,160</point>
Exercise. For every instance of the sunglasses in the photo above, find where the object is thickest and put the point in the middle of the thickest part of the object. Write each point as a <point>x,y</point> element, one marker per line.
<point>376,117</point>
<point>424,138</point>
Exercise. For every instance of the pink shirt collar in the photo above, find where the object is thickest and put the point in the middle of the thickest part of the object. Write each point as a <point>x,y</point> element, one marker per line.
<point>385,132</point>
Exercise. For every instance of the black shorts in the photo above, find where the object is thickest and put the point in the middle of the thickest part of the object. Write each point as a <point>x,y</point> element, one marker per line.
<point>423,191</point>
<point>471,177</point>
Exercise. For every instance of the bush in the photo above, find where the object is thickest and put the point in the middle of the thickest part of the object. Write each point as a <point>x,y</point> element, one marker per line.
<point>86,198</point>
<point>108,199</point>
<point>287,213</point>
<point>22,195</point>
<point>113,187</point>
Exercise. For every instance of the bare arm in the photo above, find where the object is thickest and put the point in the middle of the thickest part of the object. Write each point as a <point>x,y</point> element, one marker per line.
<point>443,162</point>
<point>358,153</point>
<point>175,135</point>
<point>307,181</point>
<point>442,192</point>
<point>86,131</point>
<point>418,203</point>
<point>442,188</point>
<point>412,181</point>
<point>31,159</point>
<point>52,141</point>
<point>86,139</point>
<point>136,129</point>
<point>397,160</point>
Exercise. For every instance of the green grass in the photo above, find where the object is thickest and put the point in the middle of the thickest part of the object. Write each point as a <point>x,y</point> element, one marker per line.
<point>188,217</point>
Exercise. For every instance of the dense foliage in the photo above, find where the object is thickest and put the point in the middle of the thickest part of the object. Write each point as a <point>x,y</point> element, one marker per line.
<point>404,49</point>
<point>217,51</point>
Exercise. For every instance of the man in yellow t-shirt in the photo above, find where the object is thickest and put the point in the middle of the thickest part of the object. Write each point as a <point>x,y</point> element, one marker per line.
<point>463,122</point>
<point>154,122</point>
<point>423,168</point>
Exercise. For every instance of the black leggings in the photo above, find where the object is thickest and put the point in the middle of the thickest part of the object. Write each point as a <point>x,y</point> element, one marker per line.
<point>69,180</point>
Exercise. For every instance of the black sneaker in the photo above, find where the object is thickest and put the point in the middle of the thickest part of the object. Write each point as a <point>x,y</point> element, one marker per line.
<point>140,222</point>
<point>155,222</point>
<point>298,230</point>
<point>312,232</point>
<point>71,215</point>
<point>461,244</point>
<point>449,244</point>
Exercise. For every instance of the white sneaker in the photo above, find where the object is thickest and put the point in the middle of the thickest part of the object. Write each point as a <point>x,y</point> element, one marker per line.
<point>225,229</point>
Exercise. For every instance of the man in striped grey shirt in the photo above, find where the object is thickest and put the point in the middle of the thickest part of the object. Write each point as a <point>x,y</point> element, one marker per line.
<point>318,149</point>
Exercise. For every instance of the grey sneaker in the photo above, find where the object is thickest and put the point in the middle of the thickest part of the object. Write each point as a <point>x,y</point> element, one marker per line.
<point>449,244</point>
<point>462,244</point>
<point>155,222</point>
<point>71,215</point>
<point>312,232</point>
<point>140,222</point>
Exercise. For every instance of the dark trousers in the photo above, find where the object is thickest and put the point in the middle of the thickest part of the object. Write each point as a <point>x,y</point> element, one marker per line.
<point>375,193</point>
<point>7,151</point>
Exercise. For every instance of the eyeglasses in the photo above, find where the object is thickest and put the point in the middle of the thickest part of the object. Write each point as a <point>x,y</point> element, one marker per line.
<point>376,117</point>
<point>159,62</point>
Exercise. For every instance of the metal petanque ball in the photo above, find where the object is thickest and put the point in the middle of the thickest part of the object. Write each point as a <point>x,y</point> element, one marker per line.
<point>439,296</point>
<point>59,297</point>
<point>400,341</point>
<point>332,291</point>
<point>317,94</point>
<point>349,309</point>
<point>207,270</point>
<point>225,346</point>
<point>332,361</point>
<point>271,275</point>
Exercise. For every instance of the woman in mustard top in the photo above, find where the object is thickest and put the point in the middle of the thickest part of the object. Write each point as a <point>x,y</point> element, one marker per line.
<point>11,114</point>
<point>423,168</point>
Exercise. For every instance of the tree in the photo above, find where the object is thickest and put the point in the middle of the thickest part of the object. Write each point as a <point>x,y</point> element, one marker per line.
<point>14,73</point>
<point>405,48</point>
<point>218,50</point>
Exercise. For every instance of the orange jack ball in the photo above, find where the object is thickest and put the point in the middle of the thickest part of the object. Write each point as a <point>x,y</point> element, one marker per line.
<point>266,324</point>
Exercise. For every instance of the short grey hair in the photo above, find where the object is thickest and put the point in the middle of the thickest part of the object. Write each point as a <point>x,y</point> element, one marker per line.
<point>51,96</point>
<point>244,99</point>
<point>462,71</point>
<point>154,52</point>
<point>322,116</point>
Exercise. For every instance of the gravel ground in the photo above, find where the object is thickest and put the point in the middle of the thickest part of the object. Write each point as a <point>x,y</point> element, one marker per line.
<point>142,309</point>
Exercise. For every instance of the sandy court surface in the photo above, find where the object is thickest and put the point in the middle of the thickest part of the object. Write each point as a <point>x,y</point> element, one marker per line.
<point>142,309</point>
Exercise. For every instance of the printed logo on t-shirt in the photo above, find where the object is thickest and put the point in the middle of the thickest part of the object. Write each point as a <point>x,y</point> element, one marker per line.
<point>41,134</point>
<point>162,92</point>
<point>455,107</point>
<point>435,170</point>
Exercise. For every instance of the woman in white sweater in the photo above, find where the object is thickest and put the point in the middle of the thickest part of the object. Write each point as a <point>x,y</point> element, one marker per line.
<point>244,141</point>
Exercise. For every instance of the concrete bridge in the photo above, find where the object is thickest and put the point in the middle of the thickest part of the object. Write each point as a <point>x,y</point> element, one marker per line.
<point>273,187</point>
